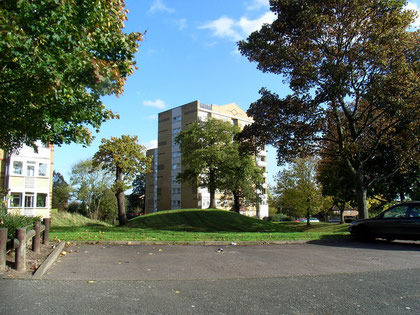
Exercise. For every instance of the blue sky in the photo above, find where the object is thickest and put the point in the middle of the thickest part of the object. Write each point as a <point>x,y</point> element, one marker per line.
<point>189,53</point>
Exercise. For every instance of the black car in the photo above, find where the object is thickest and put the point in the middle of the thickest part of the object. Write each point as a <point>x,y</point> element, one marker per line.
<point>401,221</point>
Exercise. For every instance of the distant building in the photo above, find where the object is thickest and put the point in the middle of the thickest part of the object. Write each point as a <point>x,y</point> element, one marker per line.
<point>163,192</point>
<point>27,176</point>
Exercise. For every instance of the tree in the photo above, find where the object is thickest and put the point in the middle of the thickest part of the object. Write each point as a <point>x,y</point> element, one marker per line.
<point>136,199</point>
<point>336,181</point>
<point>299,193</point>
<point>90,185</point>
<point>353,69</point>
<point>60,192</point>
<point>126,158</point>
<point>205,147</point>
<point>241,176</point>
<point>58,58</point>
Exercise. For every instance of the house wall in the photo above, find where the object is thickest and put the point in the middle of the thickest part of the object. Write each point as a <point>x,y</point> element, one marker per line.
<point>27,175</point>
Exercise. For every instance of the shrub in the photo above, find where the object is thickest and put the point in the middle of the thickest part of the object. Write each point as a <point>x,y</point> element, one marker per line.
<point>13,222</point>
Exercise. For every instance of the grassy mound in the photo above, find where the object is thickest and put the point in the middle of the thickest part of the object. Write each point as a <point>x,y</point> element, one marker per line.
<point>65,219</point>
<point>204,220</point>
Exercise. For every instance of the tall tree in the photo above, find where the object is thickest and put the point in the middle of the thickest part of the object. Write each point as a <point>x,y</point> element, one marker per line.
<point>60,192</point>
<point>57,59</point>
<point>90,185</point>
<point>242,177</point>
<point>125,158</point>
<point>353,69</point>
<point>204,149</point>
<point>136,199</point>
<point>337,181</point>
<point>298,190</point>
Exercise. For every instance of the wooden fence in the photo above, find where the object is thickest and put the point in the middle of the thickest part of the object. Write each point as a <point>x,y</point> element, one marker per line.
<point>19,243</point>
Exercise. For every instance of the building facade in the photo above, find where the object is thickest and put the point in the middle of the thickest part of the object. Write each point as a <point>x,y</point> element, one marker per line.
<point>163,192</point>
<point>27,178</point>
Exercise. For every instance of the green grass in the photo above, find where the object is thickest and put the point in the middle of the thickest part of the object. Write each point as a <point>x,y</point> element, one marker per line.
<point>190,226</point>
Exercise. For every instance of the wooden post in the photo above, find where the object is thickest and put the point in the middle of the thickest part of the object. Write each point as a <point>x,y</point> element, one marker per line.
<point>20,252</point>
<point>46,237</point>
<point>36,240</point>
<point>3,242</point>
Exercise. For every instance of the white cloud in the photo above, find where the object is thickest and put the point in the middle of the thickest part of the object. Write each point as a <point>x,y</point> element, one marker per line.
<point>249,26</point>
<point>235,30</point>
<point>257,4</point>
<point>182,23</point>
<point>152,117</point>
<point>156,103</point>
<point>414,6</point>
<point>158,5</point>
<point>223,27</point>
<point>151,144</point>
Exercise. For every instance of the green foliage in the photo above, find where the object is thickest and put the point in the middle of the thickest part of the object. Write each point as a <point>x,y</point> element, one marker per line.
<point>90,185</point>
<point>13,222</point>
<point>353,69</point>
<point>212,159</point>
<point>299,194</point>
<point>60,192</point>
<point>126,159</point>
<point>136,200</point>
<point>58,58</point>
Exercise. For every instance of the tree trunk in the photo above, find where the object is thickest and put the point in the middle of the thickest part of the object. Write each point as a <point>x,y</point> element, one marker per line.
<point>236,203</point>
<point>342,209</point>
<point>361,193</point>
<point>212,188</point>
<point>308,217</point>
<point>122,218</point>
<point>402,196</point>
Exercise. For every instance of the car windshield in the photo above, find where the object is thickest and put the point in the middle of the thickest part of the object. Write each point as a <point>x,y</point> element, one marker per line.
<point>396,212</point>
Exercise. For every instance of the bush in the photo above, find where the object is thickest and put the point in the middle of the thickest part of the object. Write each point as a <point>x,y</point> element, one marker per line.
<point>13,222</point>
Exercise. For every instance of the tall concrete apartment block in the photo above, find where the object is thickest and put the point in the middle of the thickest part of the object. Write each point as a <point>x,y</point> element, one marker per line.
<point>163,192</point>
<point>27,178</point>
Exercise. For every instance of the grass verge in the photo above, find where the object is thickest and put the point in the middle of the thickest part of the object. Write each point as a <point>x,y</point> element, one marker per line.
<point>194,225</point>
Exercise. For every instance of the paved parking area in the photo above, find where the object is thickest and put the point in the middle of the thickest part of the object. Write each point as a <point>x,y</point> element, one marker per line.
<point>175,262</point>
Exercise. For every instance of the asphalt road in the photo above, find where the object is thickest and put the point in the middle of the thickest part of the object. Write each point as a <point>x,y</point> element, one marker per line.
<point>315,278</point>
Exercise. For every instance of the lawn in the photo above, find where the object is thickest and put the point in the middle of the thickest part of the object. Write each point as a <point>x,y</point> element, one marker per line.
<point>182,226</point>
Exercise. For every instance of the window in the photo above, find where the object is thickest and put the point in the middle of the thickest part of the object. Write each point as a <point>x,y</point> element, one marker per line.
<point>414,212</point>
<point>176,154</point>
<point>176,190</point>
<point>16,200</point>
<point>396,212</point>
<point>41,200</point>
<point>176,166</point>
<point>30,168</point>
<point>29,201</point>
<point>177,118</point>
<point>42,169</point>
<point>17,167</point>
<point>176,203</point>
<point>175,131</point>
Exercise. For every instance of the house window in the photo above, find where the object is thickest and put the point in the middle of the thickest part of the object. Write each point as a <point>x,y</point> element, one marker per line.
<point>177,118</point>
<point>29,200</point>
<point>176,190</point>
<point>16,200</point>
<point>176,166</point>
<point>17,167</point>
<point>176,203</point>
<point>30,168</point>
<point>175,131</point>
<point>42,169</point>
<point>41,200</point>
